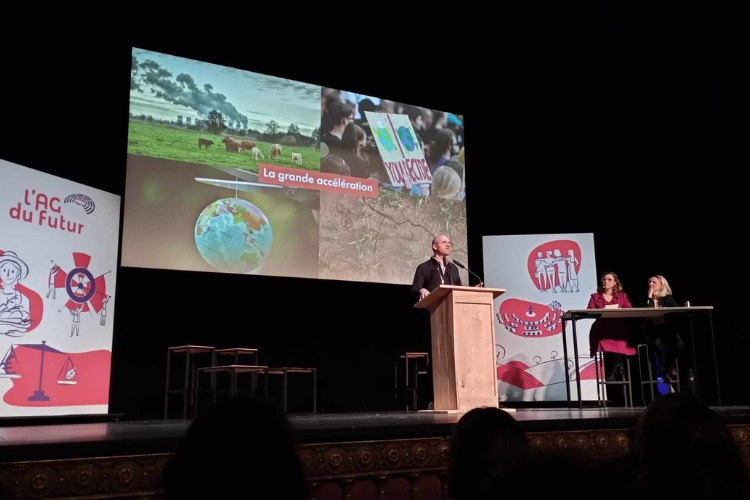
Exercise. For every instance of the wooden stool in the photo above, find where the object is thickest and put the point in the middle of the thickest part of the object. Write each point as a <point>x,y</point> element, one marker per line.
<point>285,371</point>
<point>187,391</point>
<point>414,387</point>
<point>233,371</point>
<point>237,352</point>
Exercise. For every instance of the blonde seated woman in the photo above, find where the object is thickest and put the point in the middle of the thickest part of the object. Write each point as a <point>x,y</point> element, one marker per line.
<point>659,331</point>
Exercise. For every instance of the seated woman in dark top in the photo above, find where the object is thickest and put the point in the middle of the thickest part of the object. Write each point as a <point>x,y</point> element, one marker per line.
<point>661,333</point>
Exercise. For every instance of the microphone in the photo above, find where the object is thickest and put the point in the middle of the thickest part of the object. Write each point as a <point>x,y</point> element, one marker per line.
<point>469,270</point>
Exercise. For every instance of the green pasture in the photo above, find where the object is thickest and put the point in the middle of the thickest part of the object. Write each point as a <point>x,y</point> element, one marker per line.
<point>177,143</point>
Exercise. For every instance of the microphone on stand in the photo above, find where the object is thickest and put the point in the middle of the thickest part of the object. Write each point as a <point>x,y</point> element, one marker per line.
<point>467,269</point>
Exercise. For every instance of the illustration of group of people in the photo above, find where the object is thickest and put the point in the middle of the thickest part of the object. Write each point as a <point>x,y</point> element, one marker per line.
<point>14,306</point>
<point>552,265</point>
<point>76,313</point>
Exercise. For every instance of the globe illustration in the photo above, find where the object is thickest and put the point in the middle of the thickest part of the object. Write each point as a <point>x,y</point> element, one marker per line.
<point>384,137</point>
<point>406,138</point>
<point>233,236</point>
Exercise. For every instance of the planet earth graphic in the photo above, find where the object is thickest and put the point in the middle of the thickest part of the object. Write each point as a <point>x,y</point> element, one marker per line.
<point>233,236</point>
<point>406,138</point>
<point>384,137</point>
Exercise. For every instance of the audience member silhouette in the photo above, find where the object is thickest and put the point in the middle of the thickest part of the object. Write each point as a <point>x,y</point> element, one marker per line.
<point>686,451</point>
<point>238,449</point>
<point>557,476</point>
<point>486,442</point>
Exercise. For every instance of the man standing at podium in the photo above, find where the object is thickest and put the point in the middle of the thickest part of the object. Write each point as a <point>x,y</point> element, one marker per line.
<point>436,271</point>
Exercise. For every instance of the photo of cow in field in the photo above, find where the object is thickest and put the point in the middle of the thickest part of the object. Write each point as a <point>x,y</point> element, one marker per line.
<point>260,119</point>
<point>257,154</point>
<point>232,144</point>
<point>275,152</point>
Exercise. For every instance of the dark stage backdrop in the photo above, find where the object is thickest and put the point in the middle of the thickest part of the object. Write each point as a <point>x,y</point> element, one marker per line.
<point>582,124</point>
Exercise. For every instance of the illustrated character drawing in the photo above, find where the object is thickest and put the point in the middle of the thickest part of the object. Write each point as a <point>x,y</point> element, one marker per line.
<point>540,273</point>
<point>549,266</point>
<point>562,271</point>
<point>572,262</point>
<point>103,313</point>
<point>14,306</point>
<point>51,280</point>
<point>76,313</point>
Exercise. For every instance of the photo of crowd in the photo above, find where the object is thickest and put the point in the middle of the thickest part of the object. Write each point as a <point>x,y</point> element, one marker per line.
<point>348,147</point>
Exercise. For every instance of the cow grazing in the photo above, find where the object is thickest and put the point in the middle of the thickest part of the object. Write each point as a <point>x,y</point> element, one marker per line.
<point>247,145</point>
<point>257,154</point>
<point>205,142</point>
<point>297,158</point>
<point>232,144</point>
<point>275,151</point>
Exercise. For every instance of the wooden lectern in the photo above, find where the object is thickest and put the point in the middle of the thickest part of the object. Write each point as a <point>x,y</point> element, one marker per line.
<point>463,346</point>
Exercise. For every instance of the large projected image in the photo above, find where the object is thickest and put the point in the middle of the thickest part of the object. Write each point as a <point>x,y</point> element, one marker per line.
<point>233,171</point>
<point>58,263</point>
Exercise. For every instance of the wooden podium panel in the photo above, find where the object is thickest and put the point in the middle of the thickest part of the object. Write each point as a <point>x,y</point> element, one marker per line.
<point>463,346</point>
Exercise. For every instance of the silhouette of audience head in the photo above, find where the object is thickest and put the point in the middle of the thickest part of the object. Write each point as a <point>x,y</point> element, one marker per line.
<point>685,449</point>
<point>556,476</point>
<point>240,448</point>
<point>486,442</point>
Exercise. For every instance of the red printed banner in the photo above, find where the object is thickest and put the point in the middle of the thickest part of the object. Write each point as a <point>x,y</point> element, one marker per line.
<point>66,379</point>
<point>309,179</point>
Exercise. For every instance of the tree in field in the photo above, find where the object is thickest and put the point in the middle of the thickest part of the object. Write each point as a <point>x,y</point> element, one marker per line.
<point>272,127</point>
<point>293,130</point>
<point>289,140</point>
<point>315,135</point>
<point>215,122</point>
<point>133,73</point>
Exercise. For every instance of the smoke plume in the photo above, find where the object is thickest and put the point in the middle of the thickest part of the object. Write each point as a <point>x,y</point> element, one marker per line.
<point>184,91</point>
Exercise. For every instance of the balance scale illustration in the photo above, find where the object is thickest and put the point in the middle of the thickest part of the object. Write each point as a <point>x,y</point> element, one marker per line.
<point>10,367</point>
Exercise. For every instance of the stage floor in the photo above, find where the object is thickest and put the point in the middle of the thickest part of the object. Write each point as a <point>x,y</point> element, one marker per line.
<point>160,436</point>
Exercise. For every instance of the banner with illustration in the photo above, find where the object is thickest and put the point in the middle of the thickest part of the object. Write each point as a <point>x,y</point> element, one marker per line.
<point>545,275</point>
<point>58,263</point>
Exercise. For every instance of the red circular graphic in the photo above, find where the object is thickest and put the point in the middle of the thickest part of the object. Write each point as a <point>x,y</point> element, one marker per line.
<point>553,262</point>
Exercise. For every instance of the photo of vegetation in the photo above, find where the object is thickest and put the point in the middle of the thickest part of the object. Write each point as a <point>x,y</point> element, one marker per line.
<point>384,239</point>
